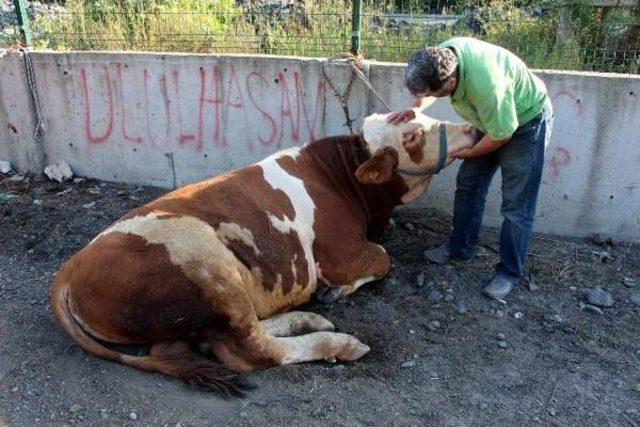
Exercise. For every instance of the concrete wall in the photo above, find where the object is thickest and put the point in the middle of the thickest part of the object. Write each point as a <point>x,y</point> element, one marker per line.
<point>147,118</point>
<point>141,117</point>
<point>17,121</point>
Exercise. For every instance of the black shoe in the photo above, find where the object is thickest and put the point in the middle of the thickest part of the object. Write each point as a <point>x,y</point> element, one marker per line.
<point>438,255</point>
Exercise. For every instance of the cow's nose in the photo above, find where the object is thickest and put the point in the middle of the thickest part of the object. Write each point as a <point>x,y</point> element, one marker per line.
<point>327,294</point>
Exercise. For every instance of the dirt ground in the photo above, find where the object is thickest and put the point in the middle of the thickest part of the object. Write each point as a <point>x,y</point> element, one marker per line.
<point>435,356</point>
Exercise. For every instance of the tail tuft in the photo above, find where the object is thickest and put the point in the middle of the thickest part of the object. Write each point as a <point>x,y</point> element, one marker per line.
<point>207,375</point>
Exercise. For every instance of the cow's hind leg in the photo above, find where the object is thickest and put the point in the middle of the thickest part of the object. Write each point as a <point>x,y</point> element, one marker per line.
<point>329,346</point>
<point>295,323</point>
<point>248,345</point>
<point>259,350</point>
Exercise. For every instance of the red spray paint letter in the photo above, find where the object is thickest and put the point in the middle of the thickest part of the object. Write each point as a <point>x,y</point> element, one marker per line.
<point>271,122</point>
<point>123,113</point>
<point>91,138</point>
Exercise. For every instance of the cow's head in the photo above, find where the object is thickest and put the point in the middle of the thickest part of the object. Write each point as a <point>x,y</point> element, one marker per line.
<point>413,149</point>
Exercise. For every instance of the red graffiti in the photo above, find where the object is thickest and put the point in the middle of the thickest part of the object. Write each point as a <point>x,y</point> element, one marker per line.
<point>216,100</point>
<point>560,158</point>
<point>234,93</point>
<point>90,136</point>
<point>261,110</point>
<point>575,101</point>
<point>222,108</point>
<point>318,107</point>
<point>182,138</point>
<point>286,111</point>
<point>125,135</point>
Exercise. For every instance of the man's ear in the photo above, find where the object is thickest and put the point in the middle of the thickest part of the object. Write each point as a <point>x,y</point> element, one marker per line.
<point>379,168</point>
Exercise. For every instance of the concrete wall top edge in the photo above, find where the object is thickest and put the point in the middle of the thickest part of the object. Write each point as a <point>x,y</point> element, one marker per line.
<point>183,56</point>
<point>592,74</point>
<point>177,55</point>
<point>547,72</point>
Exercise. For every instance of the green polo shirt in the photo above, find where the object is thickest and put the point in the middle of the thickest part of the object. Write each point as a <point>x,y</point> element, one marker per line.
<point>496,91</point>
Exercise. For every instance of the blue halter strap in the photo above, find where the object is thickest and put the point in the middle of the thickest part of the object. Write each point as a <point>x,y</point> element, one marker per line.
<point>442,156</point>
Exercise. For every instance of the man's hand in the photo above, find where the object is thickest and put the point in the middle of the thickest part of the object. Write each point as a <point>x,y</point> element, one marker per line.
<point>465,153</point>
<point>401,116</point>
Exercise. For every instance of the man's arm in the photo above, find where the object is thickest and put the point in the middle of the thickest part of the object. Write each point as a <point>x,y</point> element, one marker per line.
<point>486,145</point>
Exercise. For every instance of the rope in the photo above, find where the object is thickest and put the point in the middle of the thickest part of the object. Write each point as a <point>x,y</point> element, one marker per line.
<point>355,61</point>
<point>41,121</point>
<point>343,97</point>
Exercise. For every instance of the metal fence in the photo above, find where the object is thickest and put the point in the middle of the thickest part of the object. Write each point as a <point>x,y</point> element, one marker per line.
<point>596,35</point>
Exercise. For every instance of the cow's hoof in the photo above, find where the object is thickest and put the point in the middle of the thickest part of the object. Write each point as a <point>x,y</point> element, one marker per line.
<point>327,294</point>
<point>317,323</point>
<point>352,350</point>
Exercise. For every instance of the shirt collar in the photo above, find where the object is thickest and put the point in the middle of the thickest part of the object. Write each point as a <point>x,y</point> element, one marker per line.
<point>461,89</point>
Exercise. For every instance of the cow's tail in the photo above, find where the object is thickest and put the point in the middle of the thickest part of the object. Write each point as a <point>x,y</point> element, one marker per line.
<point>187,365</point>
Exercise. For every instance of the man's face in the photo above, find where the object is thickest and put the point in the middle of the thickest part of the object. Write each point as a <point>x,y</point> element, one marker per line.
<point>447,89</point>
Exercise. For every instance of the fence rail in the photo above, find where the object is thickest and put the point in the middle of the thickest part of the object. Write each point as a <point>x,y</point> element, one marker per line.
<point>575,35</point>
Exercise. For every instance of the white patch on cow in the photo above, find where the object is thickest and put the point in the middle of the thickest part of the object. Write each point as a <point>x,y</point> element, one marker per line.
<point>190,242</point>
<point>361,282</point>
<point>294,272</point>
<point>230,231</point>
<point>379,133</point>
<point>349,289</point>
<point>303,207</point>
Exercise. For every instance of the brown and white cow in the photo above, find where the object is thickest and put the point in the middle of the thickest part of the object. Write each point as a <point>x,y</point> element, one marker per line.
<point>214,268</point>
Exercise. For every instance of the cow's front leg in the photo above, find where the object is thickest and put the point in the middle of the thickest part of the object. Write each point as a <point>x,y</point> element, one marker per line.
<point>295,323</point>
<point>372,264</point>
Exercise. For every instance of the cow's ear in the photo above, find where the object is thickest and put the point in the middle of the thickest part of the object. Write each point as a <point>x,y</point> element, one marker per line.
<point>379,168</point>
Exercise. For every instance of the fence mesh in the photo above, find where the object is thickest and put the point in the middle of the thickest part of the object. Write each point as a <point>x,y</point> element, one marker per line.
<point>552,34</point>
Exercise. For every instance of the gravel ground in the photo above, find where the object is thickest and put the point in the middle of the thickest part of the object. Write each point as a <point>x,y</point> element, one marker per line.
<point>441,353</point>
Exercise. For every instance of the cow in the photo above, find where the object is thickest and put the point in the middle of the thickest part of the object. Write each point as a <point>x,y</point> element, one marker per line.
<point>206,275</point>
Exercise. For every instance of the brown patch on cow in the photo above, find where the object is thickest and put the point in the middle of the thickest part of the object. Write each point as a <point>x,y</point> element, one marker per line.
<point>128,291</point>
<point>413,143</point>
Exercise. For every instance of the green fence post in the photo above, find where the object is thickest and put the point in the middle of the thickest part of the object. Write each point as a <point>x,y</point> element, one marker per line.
<point>356,22</point>
<point>23,21</point>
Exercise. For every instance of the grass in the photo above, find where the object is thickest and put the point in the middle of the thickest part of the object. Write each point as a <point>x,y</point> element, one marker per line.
<point>323,28</point>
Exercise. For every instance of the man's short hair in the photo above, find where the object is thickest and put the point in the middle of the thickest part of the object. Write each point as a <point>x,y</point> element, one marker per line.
<point>428,69</point>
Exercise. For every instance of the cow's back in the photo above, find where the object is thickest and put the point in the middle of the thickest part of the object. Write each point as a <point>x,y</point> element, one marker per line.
<point>257,221</point>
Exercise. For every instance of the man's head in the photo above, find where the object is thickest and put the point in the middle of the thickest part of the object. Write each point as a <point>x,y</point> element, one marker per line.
<point>432,72</point>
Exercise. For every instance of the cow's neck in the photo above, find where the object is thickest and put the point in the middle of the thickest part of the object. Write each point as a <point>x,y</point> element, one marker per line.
<point>338,158</point>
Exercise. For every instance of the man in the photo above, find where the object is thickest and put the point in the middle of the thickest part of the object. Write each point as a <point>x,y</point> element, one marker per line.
<point>492,89</point>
